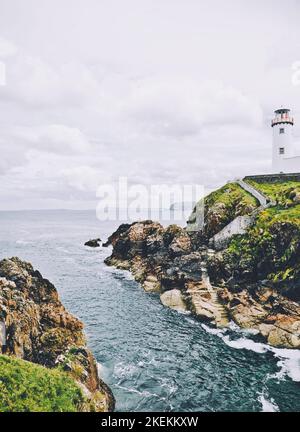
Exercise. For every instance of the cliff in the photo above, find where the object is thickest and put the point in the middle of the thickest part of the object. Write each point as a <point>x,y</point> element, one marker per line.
<point>254,281</point>
<point>45,364</point>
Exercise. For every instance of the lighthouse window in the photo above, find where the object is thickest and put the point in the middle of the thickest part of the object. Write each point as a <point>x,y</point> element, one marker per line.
<point>281,150</point>
<point>281,130</point>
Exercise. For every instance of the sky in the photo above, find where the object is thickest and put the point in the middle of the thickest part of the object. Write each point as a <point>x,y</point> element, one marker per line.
<point>158,91</point>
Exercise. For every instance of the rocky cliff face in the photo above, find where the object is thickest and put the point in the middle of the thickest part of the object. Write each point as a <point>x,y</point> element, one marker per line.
<point>220,208</point>
<point>39,329</point>
<point>177,265</point>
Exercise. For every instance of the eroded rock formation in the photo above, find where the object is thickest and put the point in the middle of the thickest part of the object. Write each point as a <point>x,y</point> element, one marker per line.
<point>39,329</point>
<point>177,265</point>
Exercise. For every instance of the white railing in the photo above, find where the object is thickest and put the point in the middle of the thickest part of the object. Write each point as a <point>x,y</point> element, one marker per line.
<point>283,120</point>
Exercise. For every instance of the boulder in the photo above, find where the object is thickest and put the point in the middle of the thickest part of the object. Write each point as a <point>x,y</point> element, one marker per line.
<point>93,243</point>
<point>173,299</point>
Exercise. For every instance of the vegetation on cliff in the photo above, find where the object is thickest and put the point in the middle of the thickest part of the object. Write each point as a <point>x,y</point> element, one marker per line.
<point>253,281</point>
<point>168,261</point>
<point>284,194</point>
<point>40,330</point>
<point>27,387</point>
<point>221,207</point>
<point>271,247</point>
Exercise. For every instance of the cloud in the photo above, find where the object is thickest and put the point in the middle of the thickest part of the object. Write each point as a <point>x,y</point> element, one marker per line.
<point>7,48</point>
<point>53,138</point>
<point>101,96</point>
<point>83,178</point>
<point>179,107</point>
<point>37,84</point>
<point>11,156</point>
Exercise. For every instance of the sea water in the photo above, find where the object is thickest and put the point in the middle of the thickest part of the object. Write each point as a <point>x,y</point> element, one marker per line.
<point>153,358</point>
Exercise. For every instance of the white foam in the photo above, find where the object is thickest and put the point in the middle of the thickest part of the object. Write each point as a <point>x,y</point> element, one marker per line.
<point>214,331</point>
<point>247,344</point>
<point>126,274</point>
<point>289,363</point>
<point>268,405</point>
<point>250,331</point>
<point>241,343</point>
<point>144,393</point>
<point>122,370</point>
<point>289,359</point>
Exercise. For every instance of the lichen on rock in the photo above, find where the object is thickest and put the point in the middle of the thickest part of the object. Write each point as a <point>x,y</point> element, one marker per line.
<point>39,329</point>
<point>254,281</point>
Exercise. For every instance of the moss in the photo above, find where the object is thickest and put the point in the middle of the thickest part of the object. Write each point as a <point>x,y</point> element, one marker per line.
<point>27,387</point>
<point>55,341</point>
<point>221,207</point>
<point>271,247</point>
<point>73,362</point>
<point>231,194</point>
<point>282,193</point>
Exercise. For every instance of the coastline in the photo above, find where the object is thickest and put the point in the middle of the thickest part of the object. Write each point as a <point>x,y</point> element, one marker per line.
<point>39,330</point>
<point>166,261</point>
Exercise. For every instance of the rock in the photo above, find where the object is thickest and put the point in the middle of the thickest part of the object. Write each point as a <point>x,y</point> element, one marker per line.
<point>151,284</point>
<point>39,329</point>
<point>173,299</point>
<point>265,329</point>
<point>93,243</point>
<point>180,245</point>
<point>296,198</point>
<point>214,286</point>
<point>285,332</point>
<point>111,241</point>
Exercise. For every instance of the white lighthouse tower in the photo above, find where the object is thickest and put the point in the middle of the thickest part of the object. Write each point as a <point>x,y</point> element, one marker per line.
<point>282,125</point>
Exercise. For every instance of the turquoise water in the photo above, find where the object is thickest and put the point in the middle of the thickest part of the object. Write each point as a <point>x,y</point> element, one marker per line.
<point>154,359</point>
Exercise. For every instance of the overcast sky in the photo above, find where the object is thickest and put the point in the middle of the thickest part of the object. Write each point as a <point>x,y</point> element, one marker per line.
<point>161,91</point>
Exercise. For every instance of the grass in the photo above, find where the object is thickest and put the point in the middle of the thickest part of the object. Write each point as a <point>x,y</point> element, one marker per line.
<point>278,214</point>
<point>231,194</point>
<point>27,387</point>
<point>224,205</point>
<point>282,193</point>
<point>271,246</point>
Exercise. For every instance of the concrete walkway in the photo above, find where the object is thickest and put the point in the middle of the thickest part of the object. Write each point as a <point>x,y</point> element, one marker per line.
<point>261,198</point>
<point>241,223</point>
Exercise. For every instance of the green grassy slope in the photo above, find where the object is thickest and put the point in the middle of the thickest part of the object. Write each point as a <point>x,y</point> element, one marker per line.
<point>283,193</point>
<point>271,247</point>
<point>27,387</point>
<point>222,206</point>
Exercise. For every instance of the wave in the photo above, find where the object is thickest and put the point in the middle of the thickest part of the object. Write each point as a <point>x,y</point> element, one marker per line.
<point>244,343</point>
<point>289,359</point>
<point>122,274</point>
<point>215,331</point>
<point>289,363</point>
<point>268,405</point>
<point>122,370</point>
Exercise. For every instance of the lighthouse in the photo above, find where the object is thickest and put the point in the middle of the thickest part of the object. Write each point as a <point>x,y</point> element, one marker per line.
<point>284,159</point>
<point>282,125</point>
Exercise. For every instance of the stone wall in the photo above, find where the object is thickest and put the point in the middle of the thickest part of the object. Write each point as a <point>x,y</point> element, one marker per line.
<point>274,178</point>
<point>238,226</point>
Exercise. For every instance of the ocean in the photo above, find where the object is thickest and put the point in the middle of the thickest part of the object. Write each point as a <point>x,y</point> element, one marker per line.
<point>153,358</point>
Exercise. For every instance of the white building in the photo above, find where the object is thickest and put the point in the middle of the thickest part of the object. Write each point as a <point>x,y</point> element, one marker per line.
<point>286,159</point>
